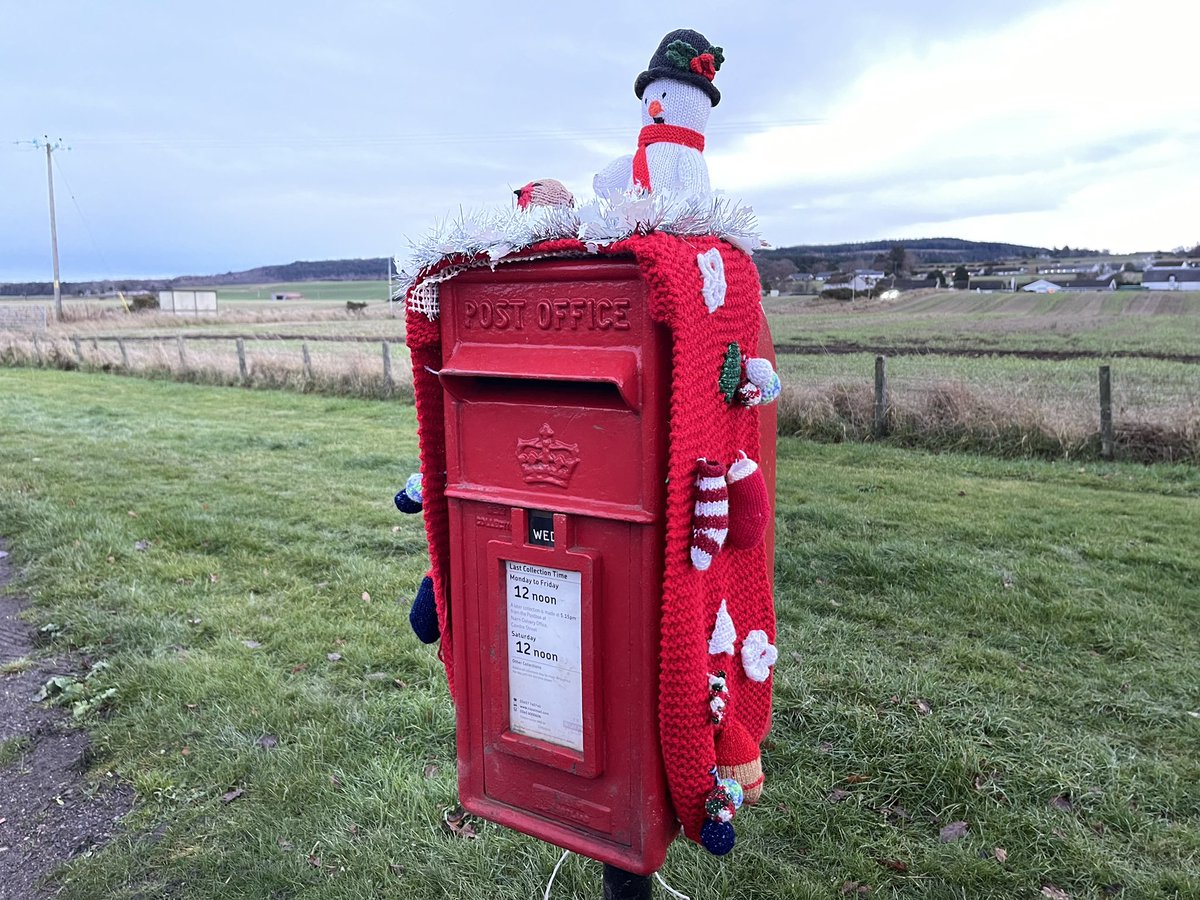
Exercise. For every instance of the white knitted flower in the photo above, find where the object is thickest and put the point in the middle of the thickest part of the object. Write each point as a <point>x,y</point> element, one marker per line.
<point>758,655</point>
<point>712,270</point>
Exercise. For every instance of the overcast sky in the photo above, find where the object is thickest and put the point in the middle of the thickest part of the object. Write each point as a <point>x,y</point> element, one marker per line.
<point>220,136</point>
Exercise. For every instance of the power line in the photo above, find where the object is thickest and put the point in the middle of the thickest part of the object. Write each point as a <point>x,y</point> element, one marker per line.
<point>427,138</point>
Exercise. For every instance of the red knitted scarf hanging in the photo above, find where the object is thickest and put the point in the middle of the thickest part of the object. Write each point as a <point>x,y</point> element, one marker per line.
<point>661,134</point>
<point>702,425</point>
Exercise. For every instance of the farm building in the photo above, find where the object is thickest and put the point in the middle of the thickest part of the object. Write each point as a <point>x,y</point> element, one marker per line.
<point>287,295</point>
<point>1172,278</point>
<point>1042,286</point>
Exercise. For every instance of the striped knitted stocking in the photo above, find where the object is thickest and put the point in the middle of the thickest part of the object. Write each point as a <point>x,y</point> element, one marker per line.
<point>710,520</point>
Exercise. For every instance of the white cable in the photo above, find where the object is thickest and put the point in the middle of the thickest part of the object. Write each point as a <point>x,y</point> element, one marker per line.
<point>670,890</point>
<point>554,874</point>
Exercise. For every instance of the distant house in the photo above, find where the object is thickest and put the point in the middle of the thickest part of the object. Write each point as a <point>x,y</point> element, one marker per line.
<point>287,295</point>
<point>1062,269</point>
<point>862,281</point>
<point>1111,283</point>
<point>1042,286</point>
<point>1172,278</point>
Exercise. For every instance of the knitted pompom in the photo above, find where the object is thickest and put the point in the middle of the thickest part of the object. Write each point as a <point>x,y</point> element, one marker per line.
<point>423,615</point>
<point>749,506</point>
<point>710,519</point>
<point>734,790</point>
<point>719,805</point>
<point>406,504</point>
<point>717,837</point>
<point>738,758</point>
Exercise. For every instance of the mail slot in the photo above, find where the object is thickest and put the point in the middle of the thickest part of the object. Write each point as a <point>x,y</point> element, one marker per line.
<point>553,384</point>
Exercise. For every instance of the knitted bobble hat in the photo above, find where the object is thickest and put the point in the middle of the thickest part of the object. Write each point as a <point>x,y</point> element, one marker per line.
<point>738,758</point>
<point>674,59</point>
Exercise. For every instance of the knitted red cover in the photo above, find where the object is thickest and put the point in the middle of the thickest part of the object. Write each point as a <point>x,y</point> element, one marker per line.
<point>702,425</point>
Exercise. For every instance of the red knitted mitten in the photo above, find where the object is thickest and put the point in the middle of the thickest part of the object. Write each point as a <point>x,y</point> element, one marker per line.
<point>749,507</point>
<point>710,519</point>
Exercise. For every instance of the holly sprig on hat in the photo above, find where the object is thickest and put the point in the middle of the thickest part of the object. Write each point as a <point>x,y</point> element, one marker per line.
<point>684,56</point>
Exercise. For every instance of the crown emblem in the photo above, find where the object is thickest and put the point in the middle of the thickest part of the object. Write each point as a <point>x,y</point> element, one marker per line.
<point>545,460</point>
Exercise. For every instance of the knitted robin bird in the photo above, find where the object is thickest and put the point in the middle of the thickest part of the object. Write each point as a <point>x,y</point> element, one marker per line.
<point>544,192</point>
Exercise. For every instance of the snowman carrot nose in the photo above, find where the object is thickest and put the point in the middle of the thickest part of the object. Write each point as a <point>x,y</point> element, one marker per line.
<point>655,109</point>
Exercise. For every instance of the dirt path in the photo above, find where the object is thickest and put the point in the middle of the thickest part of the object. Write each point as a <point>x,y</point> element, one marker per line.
<point>49,811</point>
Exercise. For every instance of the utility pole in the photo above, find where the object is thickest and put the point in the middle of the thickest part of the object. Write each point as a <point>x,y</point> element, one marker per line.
<point>58,313</point>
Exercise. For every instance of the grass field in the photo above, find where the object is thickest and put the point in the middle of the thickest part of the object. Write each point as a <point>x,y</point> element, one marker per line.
<point>1010,645</point>
<point>1143,322</point>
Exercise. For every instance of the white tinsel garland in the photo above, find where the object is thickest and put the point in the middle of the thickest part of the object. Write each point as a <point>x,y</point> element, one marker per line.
<point>499,232</point>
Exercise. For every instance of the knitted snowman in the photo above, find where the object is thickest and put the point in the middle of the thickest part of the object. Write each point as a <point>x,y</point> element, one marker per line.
<point>677,94</point>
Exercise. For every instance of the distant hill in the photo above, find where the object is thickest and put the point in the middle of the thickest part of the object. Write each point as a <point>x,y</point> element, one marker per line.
<point>943,251</point>
<point>373,269</point>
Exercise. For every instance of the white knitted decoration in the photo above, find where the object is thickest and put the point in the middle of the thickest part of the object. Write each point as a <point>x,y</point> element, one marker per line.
<point>674,168</point>
<point>724,634</point>
<point>758,655</point>
<point>485,237</point>
<point>712,270</point>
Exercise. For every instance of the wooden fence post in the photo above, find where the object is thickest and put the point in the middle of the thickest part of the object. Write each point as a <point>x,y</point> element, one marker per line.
<point>124,353</point>
<point>179,345</point>
<point>387,367</point>
<point>37,349</point>
<point>308,376</point>
<point>880,424</point>
<point>78,350</point>
<point>241,349</point>
<point>1106,423</point>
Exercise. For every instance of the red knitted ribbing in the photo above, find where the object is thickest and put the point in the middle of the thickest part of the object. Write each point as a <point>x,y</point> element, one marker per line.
<point>661,134</point>
<point>702,425</point>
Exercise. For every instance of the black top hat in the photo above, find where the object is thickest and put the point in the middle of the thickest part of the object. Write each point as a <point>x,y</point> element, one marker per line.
<point>673,59</point>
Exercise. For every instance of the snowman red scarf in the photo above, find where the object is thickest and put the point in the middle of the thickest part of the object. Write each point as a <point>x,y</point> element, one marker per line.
<point>702,425</point>
<point>661,134</point>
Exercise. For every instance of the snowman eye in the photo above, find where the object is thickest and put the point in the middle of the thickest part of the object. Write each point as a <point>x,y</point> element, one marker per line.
<point>664,96</point>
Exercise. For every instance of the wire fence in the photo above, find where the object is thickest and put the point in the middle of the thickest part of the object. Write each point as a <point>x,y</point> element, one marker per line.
<point>346,367</point>
<point>1131,409</point>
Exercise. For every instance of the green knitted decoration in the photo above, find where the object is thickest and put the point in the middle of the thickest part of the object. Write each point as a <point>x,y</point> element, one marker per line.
<point>731,372</point>
<point>681,53</point>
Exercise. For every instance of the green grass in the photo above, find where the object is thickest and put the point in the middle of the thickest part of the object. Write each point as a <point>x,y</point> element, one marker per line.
<point>1101,323</point>
<point>339,291</point>
<point>13,749</point>
<point>1046,613</point>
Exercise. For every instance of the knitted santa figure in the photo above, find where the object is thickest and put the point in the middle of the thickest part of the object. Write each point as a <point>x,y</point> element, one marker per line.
<point>677,94</point>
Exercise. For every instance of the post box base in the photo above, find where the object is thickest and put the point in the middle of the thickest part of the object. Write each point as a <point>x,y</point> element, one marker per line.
<point>631,862</point>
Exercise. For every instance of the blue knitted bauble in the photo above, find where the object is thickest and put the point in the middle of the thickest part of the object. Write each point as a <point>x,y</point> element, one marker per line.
<point>423,615</point>
<point>412,487</point>
<point>717,837</point>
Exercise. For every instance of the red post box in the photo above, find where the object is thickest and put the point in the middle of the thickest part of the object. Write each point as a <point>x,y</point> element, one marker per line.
<point>554,392</point>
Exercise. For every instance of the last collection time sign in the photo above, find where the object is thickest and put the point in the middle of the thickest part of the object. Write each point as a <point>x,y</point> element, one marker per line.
<point>545,662</point>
